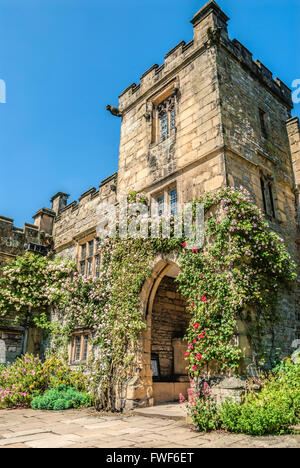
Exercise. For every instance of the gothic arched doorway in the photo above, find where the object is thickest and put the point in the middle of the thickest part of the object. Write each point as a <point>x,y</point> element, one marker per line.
<point>169,320</point>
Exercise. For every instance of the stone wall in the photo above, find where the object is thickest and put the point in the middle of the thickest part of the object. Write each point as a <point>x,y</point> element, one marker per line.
<point>79,219</point>
<point>191,154</point>
<point>11,343</point>
<point>13,239</point>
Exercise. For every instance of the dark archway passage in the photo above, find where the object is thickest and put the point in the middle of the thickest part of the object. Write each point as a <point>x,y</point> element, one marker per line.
<point>170,320</point>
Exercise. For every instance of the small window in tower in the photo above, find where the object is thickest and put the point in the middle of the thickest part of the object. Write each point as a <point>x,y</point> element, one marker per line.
<point>163,117</point>
<point>160,204</point>
<point>270,188</point>
<point>263,191</point>
<point>166,118</point>
<point>173,202</point>
<point>91,248</point>
<point>172,118</point>
<point>267,195</point>
<point>262,117</point>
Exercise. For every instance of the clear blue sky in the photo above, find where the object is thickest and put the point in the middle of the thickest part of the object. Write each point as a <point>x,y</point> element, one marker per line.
<point>64,60</point>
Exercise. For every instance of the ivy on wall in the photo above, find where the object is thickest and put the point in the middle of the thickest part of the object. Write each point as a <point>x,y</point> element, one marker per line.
<point>240,268</point>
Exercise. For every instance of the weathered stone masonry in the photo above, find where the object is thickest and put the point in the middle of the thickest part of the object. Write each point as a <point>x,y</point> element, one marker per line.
<point>231,125</point>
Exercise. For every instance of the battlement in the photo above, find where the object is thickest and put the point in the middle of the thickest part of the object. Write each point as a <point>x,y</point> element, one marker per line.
<point>105,188</point>
<point>208,20</point>
<point>13,240</point>
<point>8,225</point>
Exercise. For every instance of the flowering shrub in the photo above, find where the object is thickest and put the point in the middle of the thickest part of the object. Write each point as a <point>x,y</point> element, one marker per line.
<point>19,381</point>
<point>61,397</point>
<point>271,411</point>
<point>203,410</point>
<point>29,376</point>
<point>29,284</point>
<point>241,267</point>
<point>59,373</point>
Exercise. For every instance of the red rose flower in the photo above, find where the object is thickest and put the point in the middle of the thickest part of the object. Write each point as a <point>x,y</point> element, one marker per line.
<point>195,250</point>
<point>187,354</point>
<point>200,337</point>
<point>194,368</point>
<point>199,357</point>
<point>203,298</point>
<point>184,244</point>
<point>196,325</point>
<point>192,305</point>
<point>200,276</point>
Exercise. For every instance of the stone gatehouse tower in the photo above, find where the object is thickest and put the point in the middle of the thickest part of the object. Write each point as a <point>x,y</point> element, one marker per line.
<point>208,117</point>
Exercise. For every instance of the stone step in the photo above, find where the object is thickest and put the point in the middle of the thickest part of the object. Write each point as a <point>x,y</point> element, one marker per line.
<point>174,411</point>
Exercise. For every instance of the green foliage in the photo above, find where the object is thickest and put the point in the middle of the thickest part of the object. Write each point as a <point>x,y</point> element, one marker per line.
<point>28,376</point>
<point>271,411</point>
<point>20,380</point>
<point>204,412</point>
<point>61,397</point>
<point>31,283</point>
<point>240,268</point>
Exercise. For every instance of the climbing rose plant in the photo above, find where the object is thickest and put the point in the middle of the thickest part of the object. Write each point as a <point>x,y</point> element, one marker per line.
<point>240,268</point>
<point>30,284</point>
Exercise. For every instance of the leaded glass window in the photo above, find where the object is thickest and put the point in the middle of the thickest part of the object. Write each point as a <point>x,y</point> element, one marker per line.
<point>85,347</point>
<point>91,248</point>
<point>83,252</point>
<point>166,117</point>
<point>173,202</point>
<point>97,267</point>
<point>267,195</point>
<point>89,257</point>
<point>163,124</point>
<point>160,204</point>
<point>79,347</point>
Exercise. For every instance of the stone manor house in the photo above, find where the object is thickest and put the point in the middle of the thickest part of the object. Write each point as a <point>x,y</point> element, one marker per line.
<point>208,117</point>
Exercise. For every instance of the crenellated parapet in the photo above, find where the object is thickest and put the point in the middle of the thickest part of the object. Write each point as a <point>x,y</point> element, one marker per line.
<point>106,190</point>
<point>80,218</point>
<point>210,30</point>
<point>15,241</point>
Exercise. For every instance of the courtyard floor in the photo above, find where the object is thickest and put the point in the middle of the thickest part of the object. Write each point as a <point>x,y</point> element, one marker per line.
<point>26,428</point>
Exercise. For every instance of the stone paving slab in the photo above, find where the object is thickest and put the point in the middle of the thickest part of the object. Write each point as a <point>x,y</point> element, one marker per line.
<point>169,410</point>
<point>86,428</point>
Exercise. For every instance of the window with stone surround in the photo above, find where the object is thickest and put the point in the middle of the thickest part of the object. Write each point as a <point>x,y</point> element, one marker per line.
<point>267,190</point>
<point>262,119</point>
<point>79,347</point>
<point>89,260</point>
<point>166,201</point>
<point>164,115</point>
